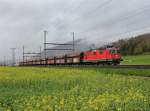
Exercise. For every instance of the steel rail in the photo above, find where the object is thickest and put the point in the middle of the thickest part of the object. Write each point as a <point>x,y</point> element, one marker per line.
<point>96,66</point>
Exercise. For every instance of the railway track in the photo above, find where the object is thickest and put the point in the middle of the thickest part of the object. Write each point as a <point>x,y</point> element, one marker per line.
<point>108,66</point>
<point>129,66</point>
<point>96,66</point>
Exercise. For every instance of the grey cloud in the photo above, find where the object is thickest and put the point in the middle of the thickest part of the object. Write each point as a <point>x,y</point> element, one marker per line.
<point>22,21</point>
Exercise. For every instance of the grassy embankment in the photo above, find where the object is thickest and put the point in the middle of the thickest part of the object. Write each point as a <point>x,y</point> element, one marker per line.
<point>74,89</point>
<point>137,60</point>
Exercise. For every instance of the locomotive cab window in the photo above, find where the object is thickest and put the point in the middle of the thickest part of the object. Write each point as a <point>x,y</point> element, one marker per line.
<point>112,51</point>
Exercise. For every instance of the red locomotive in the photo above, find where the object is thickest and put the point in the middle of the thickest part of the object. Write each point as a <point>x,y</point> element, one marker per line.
<point>109,56</point>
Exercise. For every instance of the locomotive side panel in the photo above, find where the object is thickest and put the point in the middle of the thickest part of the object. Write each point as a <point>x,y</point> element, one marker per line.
<point>108,56</point>
<point>95,56</point>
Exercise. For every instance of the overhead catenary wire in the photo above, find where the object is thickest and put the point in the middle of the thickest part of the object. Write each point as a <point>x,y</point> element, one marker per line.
<point>94,10</point>
<point>145,28</point>
<point>89,13</point>
<point>121,19</point>
<point>30,55</point>
<point>100,6</point>
<point>127,32</point>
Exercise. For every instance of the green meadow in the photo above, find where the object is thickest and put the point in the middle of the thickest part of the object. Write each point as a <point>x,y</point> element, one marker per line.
<point>136,60</point>
<point>74,89</point>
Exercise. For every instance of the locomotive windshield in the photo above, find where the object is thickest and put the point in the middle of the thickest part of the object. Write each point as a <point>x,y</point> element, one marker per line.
<point>114,51</point>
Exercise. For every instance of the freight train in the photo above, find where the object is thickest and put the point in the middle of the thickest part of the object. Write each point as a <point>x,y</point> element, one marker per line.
<point>103,56</point>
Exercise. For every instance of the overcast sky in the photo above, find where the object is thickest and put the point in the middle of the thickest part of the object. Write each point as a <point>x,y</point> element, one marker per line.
<point>22,21</point>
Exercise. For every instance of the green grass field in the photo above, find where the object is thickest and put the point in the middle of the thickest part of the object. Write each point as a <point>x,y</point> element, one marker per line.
<point>137,60</point>
<point>74,89</point>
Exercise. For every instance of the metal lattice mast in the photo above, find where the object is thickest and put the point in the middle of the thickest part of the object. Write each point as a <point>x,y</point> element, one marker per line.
<point>13,56</point>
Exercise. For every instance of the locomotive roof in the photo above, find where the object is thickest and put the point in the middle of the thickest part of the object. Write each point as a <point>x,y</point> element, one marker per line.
<point>104,48</point>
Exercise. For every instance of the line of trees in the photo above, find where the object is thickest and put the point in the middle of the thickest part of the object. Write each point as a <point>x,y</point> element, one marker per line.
<point>135,45</point>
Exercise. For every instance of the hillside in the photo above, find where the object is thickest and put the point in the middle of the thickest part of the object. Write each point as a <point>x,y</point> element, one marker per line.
<point>131,46</point>
<point>135,45</point>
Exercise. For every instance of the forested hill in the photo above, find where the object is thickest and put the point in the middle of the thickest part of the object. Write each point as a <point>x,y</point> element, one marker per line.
<point>135,45</point>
